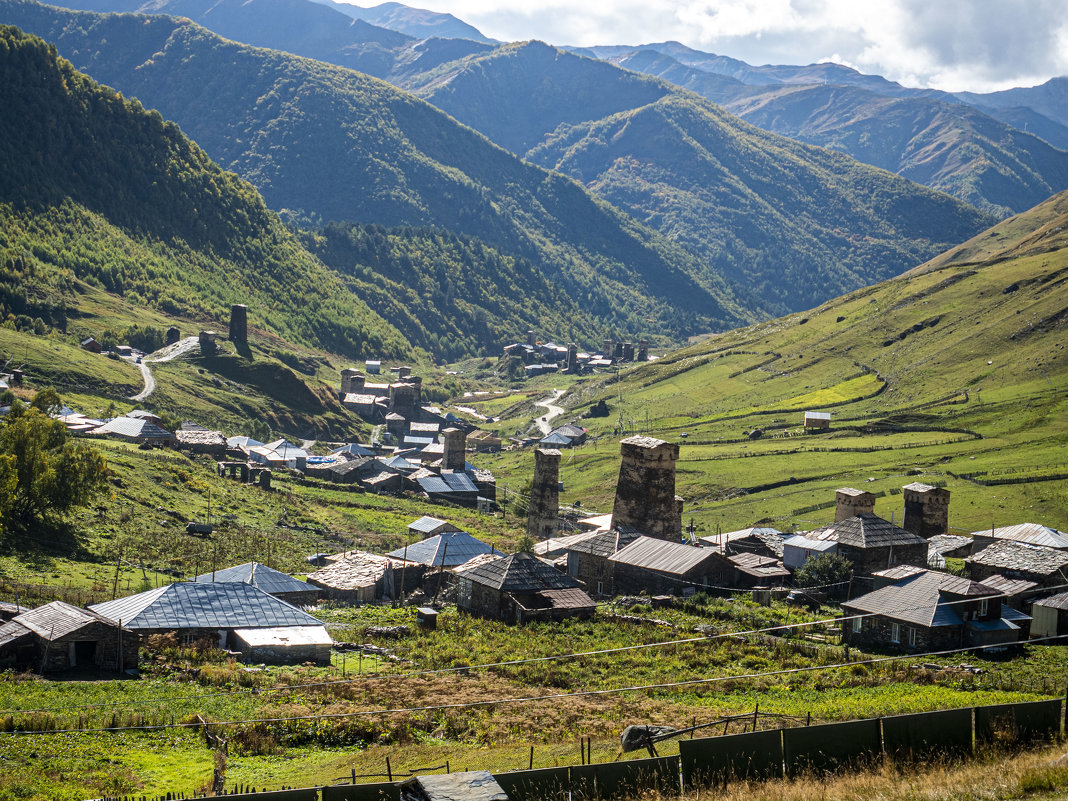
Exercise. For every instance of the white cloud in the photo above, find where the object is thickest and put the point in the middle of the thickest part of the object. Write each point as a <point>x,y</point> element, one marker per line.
<point>948,44</point>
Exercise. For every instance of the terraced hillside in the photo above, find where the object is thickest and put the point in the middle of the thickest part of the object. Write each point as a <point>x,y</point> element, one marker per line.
<point>956,372</point>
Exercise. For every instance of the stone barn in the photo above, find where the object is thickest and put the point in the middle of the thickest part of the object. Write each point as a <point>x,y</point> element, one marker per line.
<point>521,588</point>
<point>58,637</point>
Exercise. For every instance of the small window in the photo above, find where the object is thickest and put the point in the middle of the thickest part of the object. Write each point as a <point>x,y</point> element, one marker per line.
<point>895,632</point>
<point>858,624</point>
<point>912,637</point>
<point>600,588</point>
<point>984,607</point>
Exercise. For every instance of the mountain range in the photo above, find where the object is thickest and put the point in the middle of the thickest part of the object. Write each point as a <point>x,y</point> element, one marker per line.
<point>663,257</point>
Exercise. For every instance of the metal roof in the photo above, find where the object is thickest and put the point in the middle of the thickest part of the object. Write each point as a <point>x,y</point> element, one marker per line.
<point>555,439</point>
<point>807,544</point>
<point>428,525</point>
<point>1031,533</point>
<point>266,578</point>
<point>1009,586</point>
<point>446,483</point>
<point>134,428</point>
<point>604,543</point>
<point>866,531</point>
<point>920,600</point>
<point>56,620</point>
<point>663,556</point>
<point>1059,601</point>
<point>521,572</point>
<point>286,636</point>
<point>455,547</point>
<point>190,605</point>
<point>747,539</point>
<point>355,449</point>
<point>1012,555</point>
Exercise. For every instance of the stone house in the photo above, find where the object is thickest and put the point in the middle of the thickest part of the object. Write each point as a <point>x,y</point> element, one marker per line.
<point>521,588</point>
<point>871,543</point>
<point>588,559</point>
<point>658,567</point>
<point>362,577</point>
<point>931,611</point>
<point>1046,567</point>
<point>58,637</point>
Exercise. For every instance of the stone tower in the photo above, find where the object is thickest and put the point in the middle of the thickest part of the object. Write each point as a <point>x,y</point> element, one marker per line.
<point>643,351</point>
<point>404,400</point>
<point>239,324</point>
<point>849,502</point>
<point>455,452</point>
<point>926,510</point>
<point>544,494</point>
<point>645,492</point>
<point>572,358</point>
<point>352,380</point>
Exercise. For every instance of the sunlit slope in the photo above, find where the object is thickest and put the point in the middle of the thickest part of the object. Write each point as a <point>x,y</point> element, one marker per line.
<point>958,374</point>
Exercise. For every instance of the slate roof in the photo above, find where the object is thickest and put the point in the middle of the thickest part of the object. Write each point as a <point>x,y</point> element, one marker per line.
<point>56,620</point>
<point>555,546</point>
<point>521,573</point>
<point>455,547</point>
<point>941,544</point>
<point>354,569</point>
<point>447,483</point>
<point>866,531</point>
<point>920,600</point>
<point>1009,586</point>
<point>190,605</point>
<point>663,556</point>
<point>265,578</point>
<point>477,561</point>
<point>759,565</point>
<point>770,538</point>
<point>1031,533</point>
<point>1011,555</point>
<point>361,464</point>
<point>899,572</point>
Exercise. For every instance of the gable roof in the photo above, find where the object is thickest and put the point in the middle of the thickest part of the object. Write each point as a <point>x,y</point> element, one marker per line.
<point>454,547</point>
<point>265,578</point>
<point>1031,533</point>
<point>56,620</point>
<point>866,531</point>
<point>663,556</point>
<point>1012,555</point>
<point>747,538</point>
<point>428,525</point>
<point>925,599</point>
<point>190,605</point>
<point>604,543</point>
<point>134,428</point>
<point>447,483</point>
<point>521,572</point>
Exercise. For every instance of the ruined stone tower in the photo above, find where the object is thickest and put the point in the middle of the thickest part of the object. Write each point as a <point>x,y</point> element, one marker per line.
<point>849,502</point>
<point>643,351</point>
<point>544,494</point>
<point>926,510</point>
<point>455,452</point>
<point>645,492</point>
<point>239,324</point>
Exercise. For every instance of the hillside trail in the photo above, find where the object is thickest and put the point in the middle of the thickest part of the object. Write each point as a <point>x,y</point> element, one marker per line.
<point>552,411</point>
<point>179,348</point>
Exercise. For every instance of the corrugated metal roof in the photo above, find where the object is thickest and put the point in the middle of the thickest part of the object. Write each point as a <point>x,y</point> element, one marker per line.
<point>866,531</point>
<point>58,619</point>
<point>521,572</point>
<point>807,544</point>
<point>285,636</point>
<point>12,632</point>
<point>355,449</point>
<point>1059,601</point>
<point>920,600</point>
<point>663,556</point>
<point>455,547</point>
<point>899,572</point>
<point>1012,555</point>
<point>265,578</point>
<point>557,545</point>
<point>134,429</point>
<point>428,525</point>
<point>185,605</point>
<point>1031,533</point>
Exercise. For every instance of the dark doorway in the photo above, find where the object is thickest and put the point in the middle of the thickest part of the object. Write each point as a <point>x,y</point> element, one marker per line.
<point>85,654</point>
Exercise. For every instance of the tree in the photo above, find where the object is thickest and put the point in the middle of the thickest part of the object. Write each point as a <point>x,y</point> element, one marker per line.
<point>42,474</point>
<point>828,572</point>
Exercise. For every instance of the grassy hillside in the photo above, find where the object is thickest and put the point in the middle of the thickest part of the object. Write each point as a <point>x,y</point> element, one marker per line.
<point>787,224</point>
<point>338,145</point>
<point>954,373</point>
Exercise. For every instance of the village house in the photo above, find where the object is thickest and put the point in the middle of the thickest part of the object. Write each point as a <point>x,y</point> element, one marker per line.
<point>449,549</point>
<point>931,611</point>
<point>588,558</point>
<point>135,429</point>
<point>210,442</point>
<point>871,543</point>
<point>1047,567</point>
<point>521,588</point>
<point>1028,533</point>
<point>658,567</point>
<point>758,540</point>
<point>362,577</point>
<point>271,581</point>
<point>58,637</point>
<point>1050,616</point>
<point>427,526</point>
<point>231,615</point>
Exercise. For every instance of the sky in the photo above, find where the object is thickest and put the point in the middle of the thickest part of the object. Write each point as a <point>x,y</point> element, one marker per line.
<point>953,45</point>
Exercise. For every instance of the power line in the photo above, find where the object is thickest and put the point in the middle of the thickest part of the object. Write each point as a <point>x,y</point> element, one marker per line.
<point>521,699</point>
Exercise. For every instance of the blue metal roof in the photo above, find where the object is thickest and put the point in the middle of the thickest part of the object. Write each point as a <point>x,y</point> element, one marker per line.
<point>189,605</point>
<point>265,578</point>
<point>447,482</point>
<point>455,547</point>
